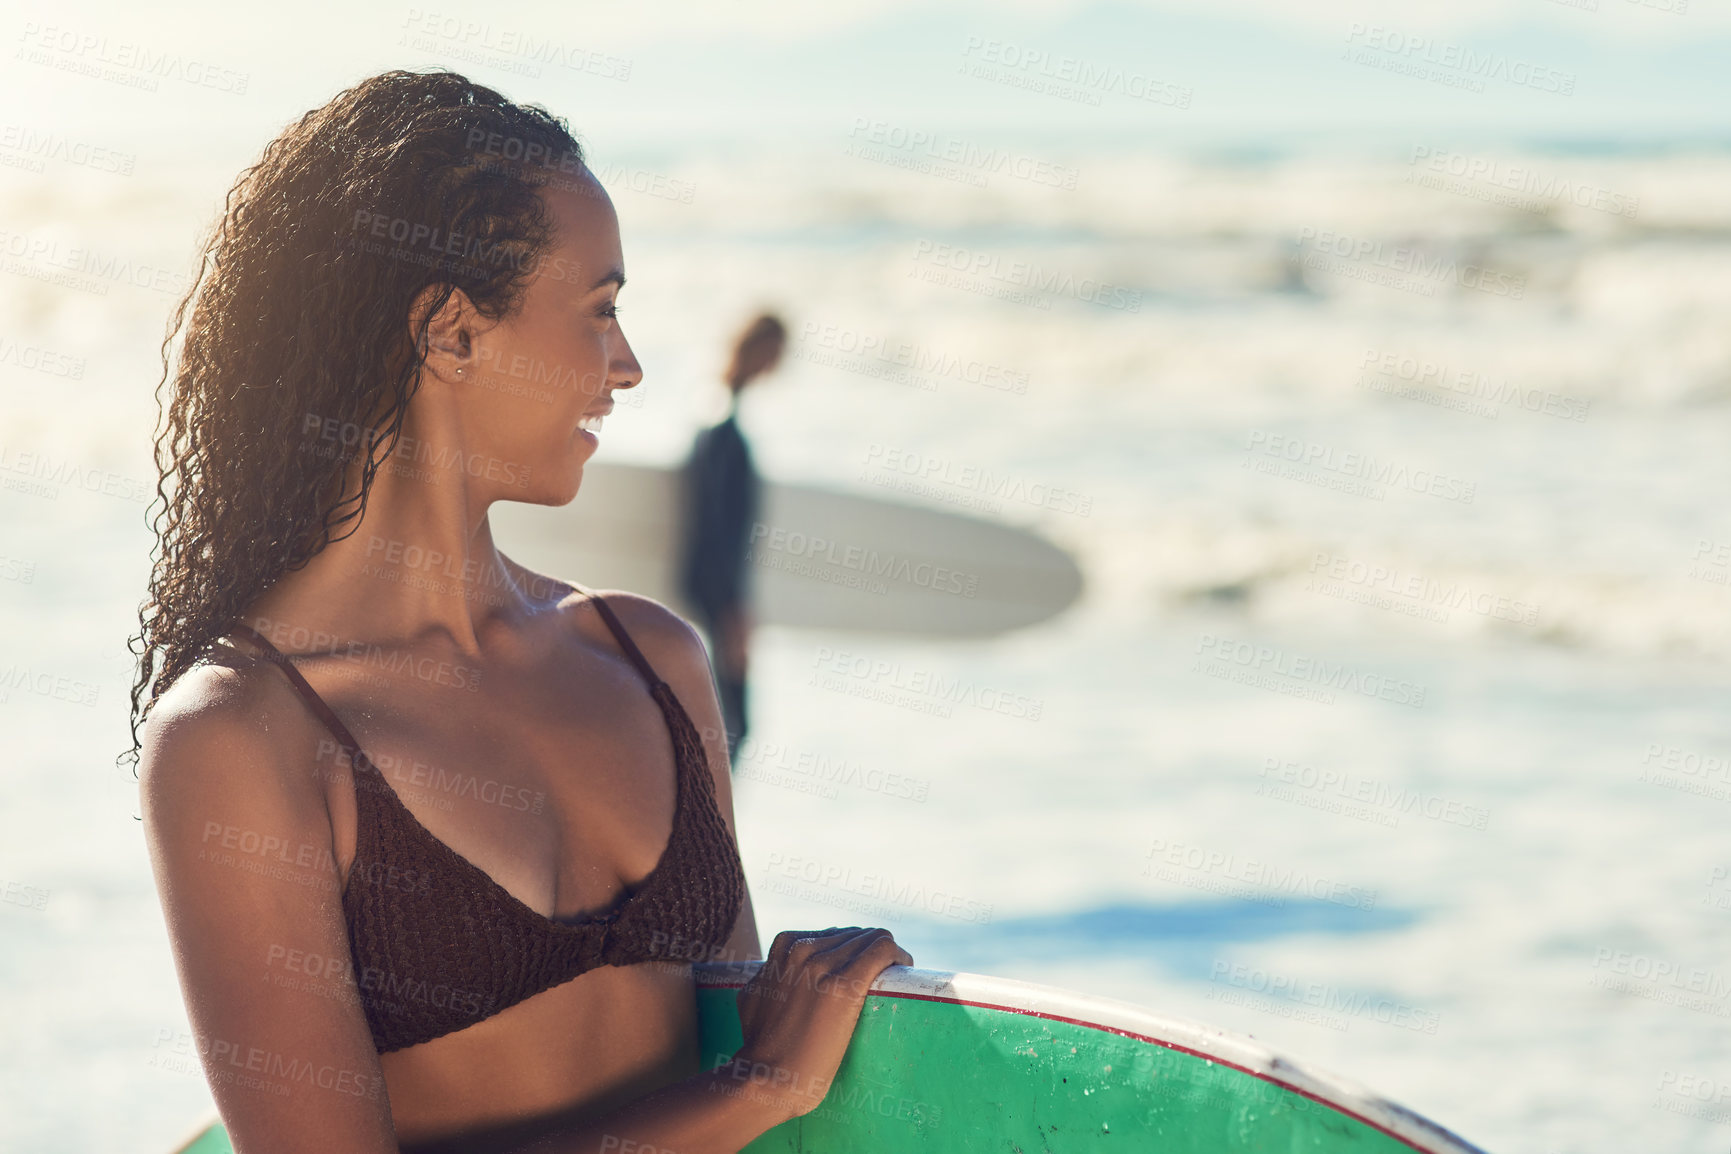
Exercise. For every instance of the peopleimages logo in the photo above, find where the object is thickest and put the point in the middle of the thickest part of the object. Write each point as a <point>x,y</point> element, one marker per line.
<point>1693,1096</point>
<point>975,268</point>
<point>888,681</point>
<point>1330,999</point>
<point>40,474</point>
<point>1356,256</point>
<point>877,888</point>
<point>38,147</point>
<point>1448,62</point>
<point>866,561</point>
<point>82,267</point>
<point>1513,185</point>
<point>1416,588</point>
<point>1378,798</point>
<point>838,346</point>
<point>38,359</point>
<point>1660,979</point>
<point>944,471</point>
<point>1364,474</point>
<point>1070,77</point>
<point>941,154</point>
<point>407,451</point>
<point>136,65</point>
<point>1379,369</point>
<point>1169,860</point>
<point>1217,656</point>
<point>518,50</point>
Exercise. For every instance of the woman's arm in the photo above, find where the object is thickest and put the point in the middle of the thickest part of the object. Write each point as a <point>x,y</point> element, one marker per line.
<point>240,841</point>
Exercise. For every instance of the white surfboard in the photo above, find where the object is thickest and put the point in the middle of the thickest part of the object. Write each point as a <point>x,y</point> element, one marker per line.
<point>821,558</point>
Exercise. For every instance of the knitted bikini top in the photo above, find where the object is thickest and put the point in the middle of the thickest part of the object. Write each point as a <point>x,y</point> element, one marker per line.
<point>438,945</point>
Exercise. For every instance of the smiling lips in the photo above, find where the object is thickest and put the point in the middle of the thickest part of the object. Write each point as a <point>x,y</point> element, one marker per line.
<point>591,421</point>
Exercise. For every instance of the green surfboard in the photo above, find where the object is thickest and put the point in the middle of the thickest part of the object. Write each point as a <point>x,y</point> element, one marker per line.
<point>946,1063</point>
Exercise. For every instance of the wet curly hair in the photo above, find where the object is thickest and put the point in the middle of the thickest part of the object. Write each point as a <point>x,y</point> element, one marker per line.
<point>304,312</point>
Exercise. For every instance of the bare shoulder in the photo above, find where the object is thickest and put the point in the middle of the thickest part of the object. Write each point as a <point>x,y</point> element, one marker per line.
<point>224,734</point>
<point>665,638</point>
<point>676,652</point>
<point>668,641</point>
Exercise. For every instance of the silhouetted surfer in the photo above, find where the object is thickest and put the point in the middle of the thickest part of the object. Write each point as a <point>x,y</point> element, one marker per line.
<point>721,504</point>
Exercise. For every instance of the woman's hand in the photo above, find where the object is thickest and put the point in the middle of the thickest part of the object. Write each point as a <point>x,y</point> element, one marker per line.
<point>798,1014</point>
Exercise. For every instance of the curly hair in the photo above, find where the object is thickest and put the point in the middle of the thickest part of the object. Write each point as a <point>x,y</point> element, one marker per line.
<point>307,316</point>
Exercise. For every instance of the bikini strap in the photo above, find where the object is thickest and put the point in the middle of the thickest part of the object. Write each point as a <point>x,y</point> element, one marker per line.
<point>341,732</point>
<point>314,702</point>
<point>624,638</point>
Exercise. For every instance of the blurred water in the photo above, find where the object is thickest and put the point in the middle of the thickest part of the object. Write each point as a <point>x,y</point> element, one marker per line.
<point>1461,892</point>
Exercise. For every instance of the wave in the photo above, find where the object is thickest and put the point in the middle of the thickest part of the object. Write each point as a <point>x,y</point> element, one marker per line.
<point>1275,575</point>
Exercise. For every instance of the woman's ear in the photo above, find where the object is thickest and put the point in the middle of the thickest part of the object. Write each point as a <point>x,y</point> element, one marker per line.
<point>446,346</point>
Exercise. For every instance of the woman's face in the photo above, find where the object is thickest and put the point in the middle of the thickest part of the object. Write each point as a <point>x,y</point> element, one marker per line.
<point>534,384</point>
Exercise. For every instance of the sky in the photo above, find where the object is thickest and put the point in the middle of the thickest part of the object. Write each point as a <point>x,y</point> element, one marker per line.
<point>675,76</point>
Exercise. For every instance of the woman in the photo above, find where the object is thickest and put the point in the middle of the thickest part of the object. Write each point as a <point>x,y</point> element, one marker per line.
<point>437,837</point>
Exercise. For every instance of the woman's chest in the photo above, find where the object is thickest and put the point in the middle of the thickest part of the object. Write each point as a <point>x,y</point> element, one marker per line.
<point>563,799</point>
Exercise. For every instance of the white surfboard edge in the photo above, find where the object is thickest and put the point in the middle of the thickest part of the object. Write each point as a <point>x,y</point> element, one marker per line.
<point>1234,1051</point>
<point>820,558</point>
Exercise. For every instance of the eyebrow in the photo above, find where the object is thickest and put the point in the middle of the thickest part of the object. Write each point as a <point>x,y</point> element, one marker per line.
<point>613,276</point>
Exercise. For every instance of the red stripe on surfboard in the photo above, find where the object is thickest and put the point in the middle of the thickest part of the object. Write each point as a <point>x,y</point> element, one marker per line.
<point>1207,1057</point>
